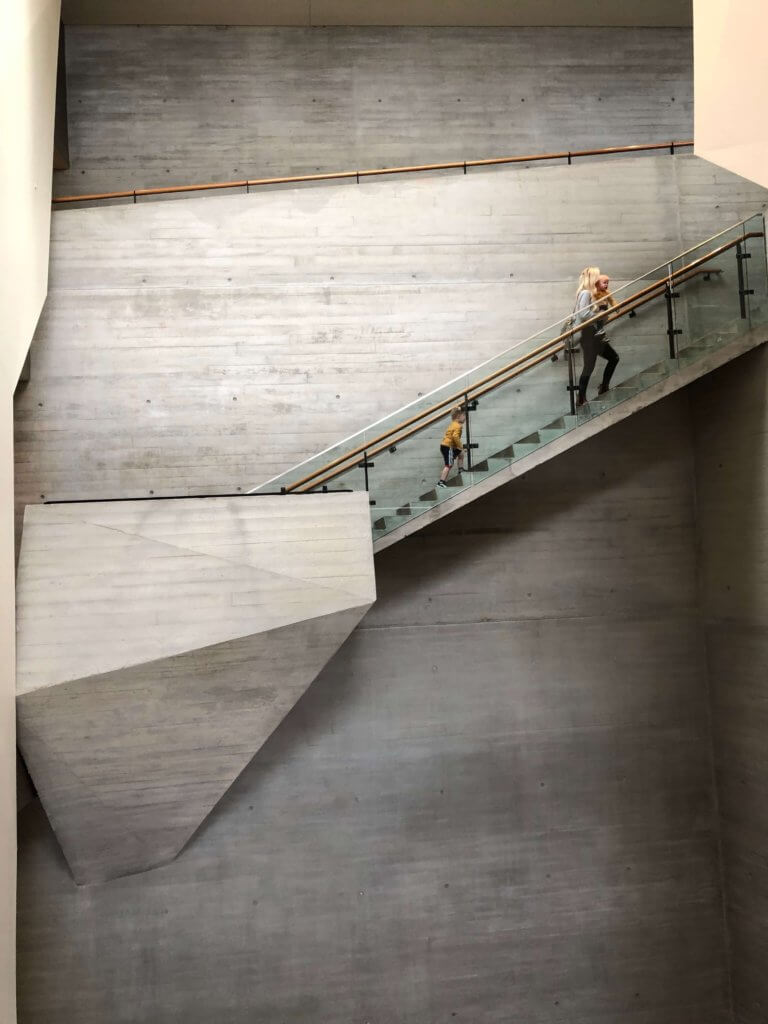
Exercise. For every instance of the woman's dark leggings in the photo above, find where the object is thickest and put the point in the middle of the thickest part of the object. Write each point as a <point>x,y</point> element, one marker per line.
<point>592,346</point>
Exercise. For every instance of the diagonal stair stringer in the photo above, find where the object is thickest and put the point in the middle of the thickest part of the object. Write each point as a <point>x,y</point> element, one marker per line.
<point>480,482</point>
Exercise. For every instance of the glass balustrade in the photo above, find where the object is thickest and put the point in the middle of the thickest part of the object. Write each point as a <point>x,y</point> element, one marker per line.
<point>524,399</point>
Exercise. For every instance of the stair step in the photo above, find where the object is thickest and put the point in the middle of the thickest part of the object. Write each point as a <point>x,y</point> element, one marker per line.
<point>692,353</point>
<point>531,443</point>
<point>521,448</point>
<point>385,525</point>
<point>438,494</point>
<point>663,368</point>
<point>653,373</point>
<point>551,433</point>
<point>563,423</point>
<point>644,378</point>
<point>491,465</point>
<point>615,396</point>
<point>709,342</point>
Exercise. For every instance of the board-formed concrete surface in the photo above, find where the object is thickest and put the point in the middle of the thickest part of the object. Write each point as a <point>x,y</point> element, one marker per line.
<point>160,644</point>
<point>730,417</point>
<point>496,800</point>
<point>209,344</point>
<point>164,106</point>
<point>479,483</point>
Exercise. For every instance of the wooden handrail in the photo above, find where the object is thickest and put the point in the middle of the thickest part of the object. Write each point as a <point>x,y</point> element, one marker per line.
<point>473,394</point>
<point>505,373</point>
<point>248,183</point>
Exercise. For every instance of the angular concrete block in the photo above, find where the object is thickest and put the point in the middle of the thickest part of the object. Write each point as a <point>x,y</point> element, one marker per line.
<point>161,643</point>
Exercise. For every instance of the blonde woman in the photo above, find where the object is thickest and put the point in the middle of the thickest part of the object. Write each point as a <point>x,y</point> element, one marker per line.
<point>593,297</point>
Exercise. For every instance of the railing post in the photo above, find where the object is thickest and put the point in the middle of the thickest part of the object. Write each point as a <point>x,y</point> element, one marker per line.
<point>669,295</point>
<point>741,255</point>
<point>467,407</point>
<point>366,465</point>
<point>571,386</point>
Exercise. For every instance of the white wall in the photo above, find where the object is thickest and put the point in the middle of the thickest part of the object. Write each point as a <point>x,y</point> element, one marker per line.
<point>730,79</point>
<point>7,724</point>
<point>28,52</point>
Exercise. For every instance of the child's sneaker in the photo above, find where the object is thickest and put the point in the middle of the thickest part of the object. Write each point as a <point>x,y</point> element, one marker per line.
<point>441,483</point>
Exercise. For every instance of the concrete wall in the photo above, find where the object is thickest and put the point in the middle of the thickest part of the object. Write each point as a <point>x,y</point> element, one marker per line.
<point>495,804</point>
<point>208,344</point>
<point>498,800</point>
<point>28,48</point>
<point>162,106</point>
<point>731,421</point>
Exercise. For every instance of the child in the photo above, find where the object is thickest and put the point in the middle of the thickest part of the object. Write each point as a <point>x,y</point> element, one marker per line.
<point>451,447</point>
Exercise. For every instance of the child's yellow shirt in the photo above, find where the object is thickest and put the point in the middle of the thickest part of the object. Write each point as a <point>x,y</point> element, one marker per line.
<point>452,437</point>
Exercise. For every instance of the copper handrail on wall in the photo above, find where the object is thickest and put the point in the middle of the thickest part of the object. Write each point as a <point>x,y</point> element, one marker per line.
<point>249,183</point>
<point>543,352</point>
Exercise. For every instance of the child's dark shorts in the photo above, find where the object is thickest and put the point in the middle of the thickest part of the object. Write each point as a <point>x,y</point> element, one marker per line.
<point>449,454</point>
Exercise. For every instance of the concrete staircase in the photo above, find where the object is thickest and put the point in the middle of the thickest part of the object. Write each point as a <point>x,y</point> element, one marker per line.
<point>515,459</point>
<point>671,326</point>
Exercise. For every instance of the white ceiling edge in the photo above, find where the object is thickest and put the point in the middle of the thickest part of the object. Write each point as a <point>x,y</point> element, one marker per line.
<point>437,13</point>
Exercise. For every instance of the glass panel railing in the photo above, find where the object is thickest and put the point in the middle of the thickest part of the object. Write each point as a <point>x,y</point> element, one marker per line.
<point>707,303</point>
<point>405,473</point>
<point>522,400</point>
<point>517,409</point>
<point>452,392</point>
<point>639,339</point>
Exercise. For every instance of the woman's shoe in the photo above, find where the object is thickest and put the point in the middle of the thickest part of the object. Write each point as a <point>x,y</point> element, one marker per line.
<point>580,402</point>
<point>602,389</point>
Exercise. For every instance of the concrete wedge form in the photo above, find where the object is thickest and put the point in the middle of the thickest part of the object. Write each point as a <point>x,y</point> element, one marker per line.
<point>130,758</point>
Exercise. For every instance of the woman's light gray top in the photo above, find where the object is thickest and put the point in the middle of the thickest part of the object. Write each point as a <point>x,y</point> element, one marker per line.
<point>584,309</point>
